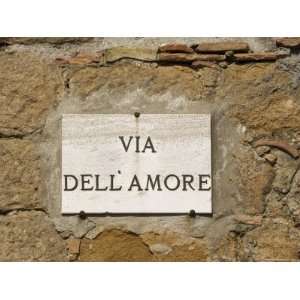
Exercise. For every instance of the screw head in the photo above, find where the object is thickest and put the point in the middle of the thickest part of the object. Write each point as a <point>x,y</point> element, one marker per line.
<point>137,114</point>
<point>192,213</point>
<point>82,215</point>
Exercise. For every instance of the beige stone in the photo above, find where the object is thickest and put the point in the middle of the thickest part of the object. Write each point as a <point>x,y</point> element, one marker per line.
<point>118,53</point>
<point>115,245</point>
<point>255,182</point>
<point>177,247</point>
<point>29,88</point>
<point>271,158</point>
<point>271,242</point>
<point>272,113</point>
<point>19,175</point>
<point>249,220</point>
<point>30,236</point>
<point>126,78</point>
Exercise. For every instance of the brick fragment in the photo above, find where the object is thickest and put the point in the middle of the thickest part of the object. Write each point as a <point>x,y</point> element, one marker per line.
<point>82,59</point>
<point>177,57</point>
<point>175,47</point>
<point>222,47</point>
<point>185,57</point>
<point>259,56</point>
<point>288,42</point>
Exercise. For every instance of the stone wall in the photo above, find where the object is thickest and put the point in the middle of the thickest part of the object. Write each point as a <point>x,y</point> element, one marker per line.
<point>251,86</point>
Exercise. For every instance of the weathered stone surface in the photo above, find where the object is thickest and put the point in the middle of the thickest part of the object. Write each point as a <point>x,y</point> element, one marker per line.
<point>255,182</point>
<point>73,245</point>
<point>73,248</point>
<point>43,40</point>
<point>269,114</point>
<point>249,220</point>
<point>192,252</point>
<point>289,42</point>
<point>19,175</point>
<point>160,249</point>
<point>175,48</point>
<point>83,59</point>
<point>271,158</point>
<point>185,58</point>
<point>286,168</point>
<point>256,215</point>
<point>271,242</point>
<point>29,88</point>
<point>227,249</point>
<point>250,87</point>
<point>115,245</point>
<point>203,64</point>
<point>261,150</point>
<point>76,226</point>
<point>222,47</point>
<point>177,57</point>
<point>258,56</point>
<point>30,236</point>
<point>115,54</point>
<point>175,247</point>
<point>127,78</point>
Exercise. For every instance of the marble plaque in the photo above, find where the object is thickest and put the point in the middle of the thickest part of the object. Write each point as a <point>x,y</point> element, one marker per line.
<point>121,163</point>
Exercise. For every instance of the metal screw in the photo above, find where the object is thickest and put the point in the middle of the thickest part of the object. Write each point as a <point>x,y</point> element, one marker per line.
<point>82,215</point>
<point>192,213</point>
<point>137,114</point>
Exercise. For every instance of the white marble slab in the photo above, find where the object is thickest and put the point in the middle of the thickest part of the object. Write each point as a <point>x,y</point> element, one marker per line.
<point>92,152</point>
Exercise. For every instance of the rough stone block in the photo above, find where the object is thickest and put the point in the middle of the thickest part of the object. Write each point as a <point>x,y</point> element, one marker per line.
<point>222,47</point>
<point>83,59</point>
<point>255,182</point>
<point>29,88</point>
<point>30,236</point>
<point>258,56</point>
<point>19,175</point>
<point>289,42</point>
<point>271,242</point>
<point>177,57</point>
<point>187,58</point>
<point>181,48</point>
<point>115,245</point>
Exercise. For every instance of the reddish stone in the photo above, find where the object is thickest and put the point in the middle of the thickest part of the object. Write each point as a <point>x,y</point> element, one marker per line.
<point>82,59</point>
<point>211,57</point>
<point>259,56</point>
<point>185,57</point>
<point>177,57</point>
<point>222,47</point>
<point>288,42</point>
<point>179,48</point>
<point>73,246</point>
